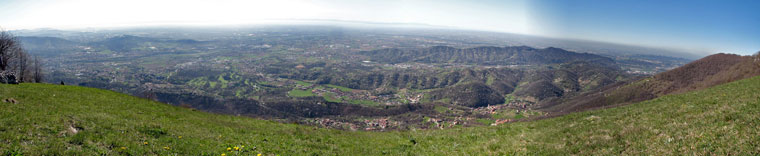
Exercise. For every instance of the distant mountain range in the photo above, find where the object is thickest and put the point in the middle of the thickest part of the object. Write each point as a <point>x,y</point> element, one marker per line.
<point>521,55</point>
<point>483,37</point>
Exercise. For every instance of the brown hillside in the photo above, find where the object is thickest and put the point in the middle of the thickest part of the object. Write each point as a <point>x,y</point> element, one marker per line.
<point>748,67</point>
<point>696,72</point>
<point>703,73</point>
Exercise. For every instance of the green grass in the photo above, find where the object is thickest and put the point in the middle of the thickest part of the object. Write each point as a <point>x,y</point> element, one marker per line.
<point>330,97</point>
<point>341,88</point>
<point>518,116</point>
<point>444,100</point>
<point>264,82</point>
<point>300,93</point>
<point>222,81</point>
<point>484,121</point>
<point>198,82</point>
<point>303,83</point>
<point>508,98</point>
<point>441,109</point>
<point>504,114</point>
<point>364,102</point>
<point>108,52</point>
<point>212,84</point>
<point>489,80</point>
<point>723,120</point>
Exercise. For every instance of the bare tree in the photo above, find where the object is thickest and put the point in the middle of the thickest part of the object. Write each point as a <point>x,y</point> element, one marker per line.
<point>15,63</point>
<point>8,45</point>
<point>8,49</point>
<point>21,63</point>
<point>37,75</point>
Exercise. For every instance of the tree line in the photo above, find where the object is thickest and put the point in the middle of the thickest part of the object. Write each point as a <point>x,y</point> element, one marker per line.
<point>16,65</point>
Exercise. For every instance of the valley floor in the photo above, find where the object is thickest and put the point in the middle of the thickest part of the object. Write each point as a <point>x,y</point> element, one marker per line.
<point>44,119</point>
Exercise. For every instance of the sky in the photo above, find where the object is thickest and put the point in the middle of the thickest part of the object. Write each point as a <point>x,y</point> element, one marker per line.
<point>697,26</point>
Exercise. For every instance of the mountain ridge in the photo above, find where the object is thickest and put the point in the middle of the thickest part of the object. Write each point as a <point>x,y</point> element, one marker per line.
<point>703,73</point>
<point>484,55</point>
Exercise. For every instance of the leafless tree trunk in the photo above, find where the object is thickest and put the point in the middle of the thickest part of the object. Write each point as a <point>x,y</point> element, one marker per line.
<point>38,75</point>
<point>8,44</point>
<point>22,65</point>
<point>15,62</point>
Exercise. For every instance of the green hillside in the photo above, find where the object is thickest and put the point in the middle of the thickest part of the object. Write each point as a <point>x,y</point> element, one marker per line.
<point>723,120</point>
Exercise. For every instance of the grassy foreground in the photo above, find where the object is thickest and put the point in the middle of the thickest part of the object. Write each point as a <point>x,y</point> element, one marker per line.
<point>723,120</point>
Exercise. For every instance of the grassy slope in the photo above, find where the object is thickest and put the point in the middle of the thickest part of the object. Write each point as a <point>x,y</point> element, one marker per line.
<point>720,120</point>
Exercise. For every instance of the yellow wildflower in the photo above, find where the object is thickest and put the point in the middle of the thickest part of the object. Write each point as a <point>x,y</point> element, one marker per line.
<point>166,147</point>
<point>224,154</point>
<point>258,154</point>
<point>123,148</point>
<point>236,148</point>
<point>145,143</point>
<point>179,137</point>
<point>229,149</point>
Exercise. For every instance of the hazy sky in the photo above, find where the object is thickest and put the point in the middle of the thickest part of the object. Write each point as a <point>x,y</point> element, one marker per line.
<point>694,25</point>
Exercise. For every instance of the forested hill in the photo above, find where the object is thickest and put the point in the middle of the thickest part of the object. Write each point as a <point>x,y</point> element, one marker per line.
<point>706,72</point>
<point>517,55</point>
<point>48,46</point>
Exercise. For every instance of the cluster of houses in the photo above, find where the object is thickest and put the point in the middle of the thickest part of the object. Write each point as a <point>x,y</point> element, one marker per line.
<point>367,124</point>
<point>442,123</point>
